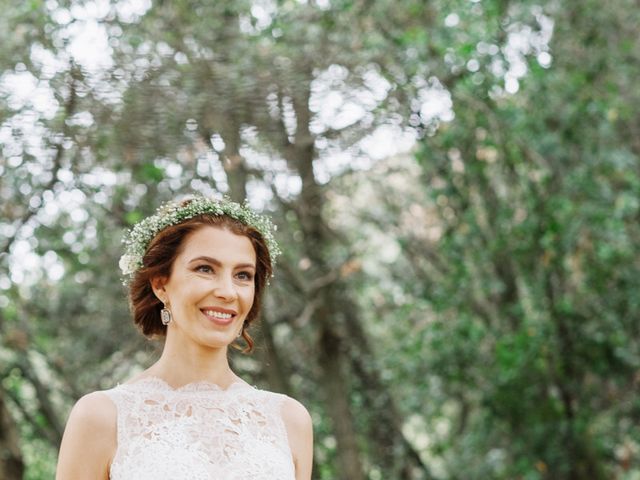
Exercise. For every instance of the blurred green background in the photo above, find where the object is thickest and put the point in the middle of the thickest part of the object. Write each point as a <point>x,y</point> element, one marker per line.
<point>456,185</point>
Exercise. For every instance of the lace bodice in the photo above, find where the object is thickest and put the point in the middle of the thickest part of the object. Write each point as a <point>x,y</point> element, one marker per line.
<point>199,432</point>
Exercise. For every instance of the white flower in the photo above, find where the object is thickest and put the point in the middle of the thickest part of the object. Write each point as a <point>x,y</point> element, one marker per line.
<point>128,264</point>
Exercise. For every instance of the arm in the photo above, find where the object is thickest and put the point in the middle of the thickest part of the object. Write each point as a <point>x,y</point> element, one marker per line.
<point>300,432</point>
<point>89,439</point>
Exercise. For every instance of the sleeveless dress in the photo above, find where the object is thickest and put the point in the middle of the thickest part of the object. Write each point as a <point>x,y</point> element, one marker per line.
<point>199,432</point>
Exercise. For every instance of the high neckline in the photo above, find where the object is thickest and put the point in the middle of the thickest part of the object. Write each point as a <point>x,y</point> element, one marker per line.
<point>153,382</point>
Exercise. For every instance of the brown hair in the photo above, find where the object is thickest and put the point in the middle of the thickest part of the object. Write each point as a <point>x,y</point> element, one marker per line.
<point>158,261</point>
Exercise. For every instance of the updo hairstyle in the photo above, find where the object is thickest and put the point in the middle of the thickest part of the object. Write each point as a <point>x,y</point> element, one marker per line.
<point>158,261</point>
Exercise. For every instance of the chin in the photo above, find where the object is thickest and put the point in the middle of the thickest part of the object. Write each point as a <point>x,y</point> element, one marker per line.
<point>215,341</point>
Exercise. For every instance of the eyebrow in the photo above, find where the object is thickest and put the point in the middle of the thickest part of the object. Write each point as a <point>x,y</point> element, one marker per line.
<point>218,263</point>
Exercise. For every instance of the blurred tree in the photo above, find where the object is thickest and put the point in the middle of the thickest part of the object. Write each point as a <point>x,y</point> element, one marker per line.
<point>525,243</point>
<point>445,318</point>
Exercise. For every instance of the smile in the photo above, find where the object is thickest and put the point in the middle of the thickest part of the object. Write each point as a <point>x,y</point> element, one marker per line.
<point>213,313</point>
<point>219,316</point>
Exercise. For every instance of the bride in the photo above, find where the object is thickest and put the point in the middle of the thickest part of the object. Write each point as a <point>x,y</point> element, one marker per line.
<point>196,273</point>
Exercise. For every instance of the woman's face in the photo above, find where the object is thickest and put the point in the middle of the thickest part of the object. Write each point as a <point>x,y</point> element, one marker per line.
<point>211,287</point>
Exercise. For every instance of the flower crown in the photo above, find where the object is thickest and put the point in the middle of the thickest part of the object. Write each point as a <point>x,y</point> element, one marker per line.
<point>172,213</point>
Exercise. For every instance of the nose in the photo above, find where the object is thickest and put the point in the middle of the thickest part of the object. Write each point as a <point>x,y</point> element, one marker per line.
<point>224,288</point>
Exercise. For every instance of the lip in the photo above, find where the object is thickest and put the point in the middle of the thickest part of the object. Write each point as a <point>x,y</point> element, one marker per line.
<point>220,321</point>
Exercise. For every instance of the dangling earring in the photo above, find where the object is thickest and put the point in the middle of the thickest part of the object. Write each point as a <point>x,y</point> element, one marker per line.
<point>165,315</point>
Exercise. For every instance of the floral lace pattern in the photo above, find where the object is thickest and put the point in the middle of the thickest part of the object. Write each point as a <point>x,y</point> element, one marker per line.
<point>199,432</point>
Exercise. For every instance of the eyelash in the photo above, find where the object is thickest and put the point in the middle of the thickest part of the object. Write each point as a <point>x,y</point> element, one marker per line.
<point>200,268</point>
<point>248,278</point>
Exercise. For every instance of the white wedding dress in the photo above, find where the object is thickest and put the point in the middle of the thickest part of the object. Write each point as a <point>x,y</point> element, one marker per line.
<point>199,432</point>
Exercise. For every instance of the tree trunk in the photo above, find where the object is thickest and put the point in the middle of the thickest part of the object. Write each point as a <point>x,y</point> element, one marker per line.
<point>392,450</point>
<point>276,371</point>
<point>11,464</point>
<point>336,390</point>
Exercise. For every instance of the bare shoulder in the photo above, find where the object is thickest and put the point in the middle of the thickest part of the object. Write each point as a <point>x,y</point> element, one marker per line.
<point>296,416</point>
<point>299,428</point>
<point>96,408</point>
<point>89,439</point>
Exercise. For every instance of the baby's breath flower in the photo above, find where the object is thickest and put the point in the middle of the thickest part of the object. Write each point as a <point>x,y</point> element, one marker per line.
<point>138,238</point>
<point>128,264</point>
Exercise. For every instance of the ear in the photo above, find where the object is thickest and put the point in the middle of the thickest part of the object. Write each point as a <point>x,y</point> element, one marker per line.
<point>157,285</point>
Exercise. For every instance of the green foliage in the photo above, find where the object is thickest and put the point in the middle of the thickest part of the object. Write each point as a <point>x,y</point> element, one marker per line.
<point>540,223</point>
<point>494,274</point>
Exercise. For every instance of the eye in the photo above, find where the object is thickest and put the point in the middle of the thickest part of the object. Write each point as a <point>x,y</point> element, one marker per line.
<point>204,268</point>
<point>247,276</point>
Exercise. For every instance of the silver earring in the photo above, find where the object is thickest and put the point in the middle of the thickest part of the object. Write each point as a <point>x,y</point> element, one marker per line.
<point>165,316</point>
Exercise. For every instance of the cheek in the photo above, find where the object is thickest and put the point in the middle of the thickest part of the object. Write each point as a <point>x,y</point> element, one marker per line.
<point>186,295</point>
<point>249,296</point>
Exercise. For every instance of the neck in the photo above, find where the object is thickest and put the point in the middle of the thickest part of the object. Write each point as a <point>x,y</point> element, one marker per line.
<point>183,362</point>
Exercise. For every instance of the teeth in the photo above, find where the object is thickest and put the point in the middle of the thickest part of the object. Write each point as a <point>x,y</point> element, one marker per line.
<point>213,313</point>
